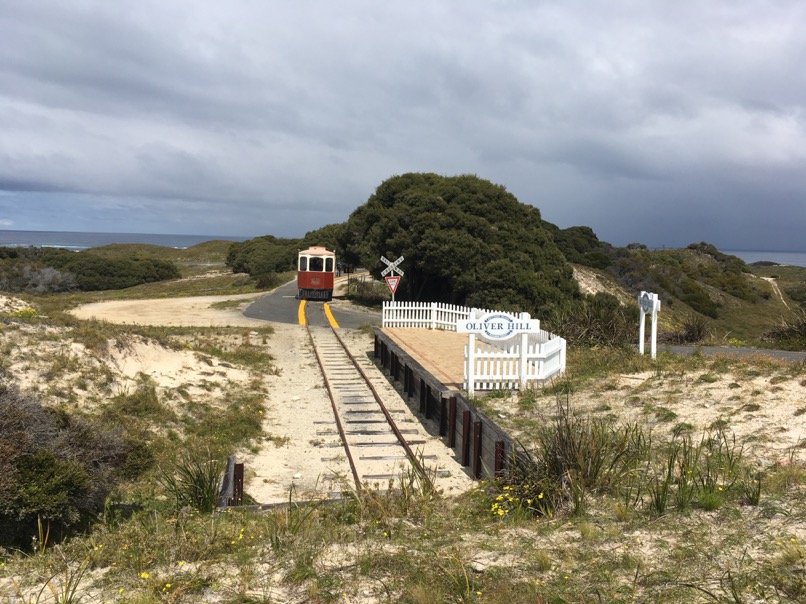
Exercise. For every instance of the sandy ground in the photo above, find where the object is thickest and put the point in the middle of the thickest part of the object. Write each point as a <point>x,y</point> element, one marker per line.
<point>766,409</point>
<point>195,312</point>
<point>300,455</point>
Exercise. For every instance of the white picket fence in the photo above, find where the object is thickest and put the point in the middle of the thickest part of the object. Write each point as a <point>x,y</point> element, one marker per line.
<point>523,361</point>
<point>426,315</point>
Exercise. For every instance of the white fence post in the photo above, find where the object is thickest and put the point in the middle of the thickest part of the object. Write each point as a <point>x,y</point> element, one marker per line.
<point>522,367</point>
<point>470,359</point>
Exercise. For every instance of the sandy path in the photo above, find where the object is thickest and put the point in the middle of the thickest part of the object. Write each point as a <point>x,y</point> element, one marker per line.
<point>194,312</point>
<point>771,281</point>
<point>301,454</point>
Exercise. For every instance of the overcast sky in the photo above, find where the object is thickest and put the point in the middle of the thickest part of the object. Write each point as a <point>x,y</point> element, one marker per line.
<point>657,122</point>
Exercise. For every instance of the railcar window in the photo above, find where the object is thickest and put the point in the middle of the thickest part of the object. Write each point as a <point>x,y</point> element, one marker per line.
<point>328,265</point>
<point>316,263</point>
<point>303,263</point>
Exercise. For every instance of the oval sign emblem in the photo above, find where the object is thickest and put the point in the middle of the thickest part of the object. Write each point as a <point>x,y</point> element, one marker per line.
<point>498,327</point>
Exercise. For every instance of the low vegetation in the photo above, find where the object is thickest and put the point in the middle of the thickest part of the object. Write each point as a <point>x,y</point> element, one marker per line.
<point>44,270</point>
<point>57,469</point>
<point>655,507</point>
<point>791,333</point>
<point>636,480</point>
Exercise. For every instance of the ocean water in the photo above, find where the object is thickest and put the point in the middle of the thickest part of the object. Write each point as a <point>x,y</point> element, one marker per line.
<point>750,256</point>
<point>82,241</point>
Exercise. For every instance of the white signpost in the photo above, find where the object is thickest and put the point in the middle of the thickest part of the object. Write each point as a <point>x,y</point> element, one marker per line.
<point>649,303</point>
<point>392,280</point>
<point>496,326</point>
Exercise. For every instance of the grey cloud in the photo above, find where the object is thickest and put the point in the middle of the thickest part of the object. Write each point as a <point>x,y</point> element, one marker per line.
<point>644,120</point>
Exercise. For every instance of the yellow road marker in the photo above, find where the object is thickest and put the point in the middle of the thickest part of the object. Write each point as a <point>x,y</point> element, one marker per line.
<point>301,312</point>
<point>330,318</point>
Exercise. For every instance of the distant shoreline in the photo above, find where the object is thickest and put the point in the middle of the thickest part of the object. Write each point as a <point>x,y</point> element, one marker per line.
<point>793,258</point>
<point>77,240</point>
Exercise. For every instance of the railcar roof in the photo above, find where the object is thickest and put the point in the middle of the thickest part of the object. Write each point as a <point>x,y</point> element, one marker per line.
<point>317,250</point>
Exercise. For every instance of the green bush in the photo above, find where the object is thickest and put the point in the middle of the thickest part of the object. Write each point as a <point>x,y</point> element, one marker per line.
<point>98,273</point>
<point>47,487</point>
<point>193,481</point>
<point>791,333</point>
<point>271,280</point>
<point>595,320</point>
<point>797,293</point>
<point>691,330</point>
<point>54,469</point>
<point>262,255</point>
<point>48,270</point>
<point>580,245</point>
<point>367,293</point>
<point>465,241</point>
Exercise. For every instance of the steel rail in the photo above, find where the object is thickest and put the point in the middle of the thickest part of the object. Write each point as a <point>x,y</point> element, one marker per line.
<point>336,415</point>
<point>410,454</point>
<point>390,420</point>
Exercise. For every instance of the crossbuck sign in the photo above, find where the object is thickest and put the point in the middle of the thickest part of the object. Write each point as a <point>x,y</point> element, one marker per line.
<point>392,267</point>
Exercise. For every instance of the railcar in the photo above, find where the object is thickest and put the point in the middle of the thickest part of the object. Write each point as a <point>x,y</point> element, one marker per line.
<point>316,269</point>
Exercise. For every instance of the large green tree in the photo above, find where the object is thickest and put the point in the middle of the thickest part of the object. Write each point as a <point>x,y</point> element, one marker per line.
<point>262,255</point>
<point>465,241</point>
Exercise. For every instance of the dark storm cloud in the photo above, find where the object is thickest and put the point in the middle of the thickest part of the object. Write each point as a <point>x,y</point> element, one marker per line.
<point>649,121</point>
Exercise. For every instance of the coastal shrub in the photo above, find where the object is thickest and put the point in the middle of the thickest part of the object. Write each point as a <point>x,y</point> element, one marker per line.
<point>27,277</point>
<point>270,280</point>
<point>99,273</point>
<point>595,451</point>
<point>575,457</point>
<point>48,270</point>
<point>595,320</point>
<point>699,276</point>
<point>465,241</point>
<point>693,294</point>
<point>797,293</point>
<point>55,469</point>
<point>263,255</point>
<point>790,333</point>
<point>367,293</point>
<point>193,481</point>
<point>692,328</point>
<point>580,245</point>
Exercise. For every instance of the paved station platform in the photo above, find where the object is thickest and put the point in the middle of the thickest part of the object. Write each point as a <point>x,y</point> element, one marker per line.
<point>440,353</point>
<point>428,365</point>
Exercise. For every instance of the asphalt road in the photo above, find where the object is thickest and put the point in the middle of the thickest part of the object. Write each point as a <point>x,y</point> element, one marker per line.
<point>785,355</point>
<point>281,306</point>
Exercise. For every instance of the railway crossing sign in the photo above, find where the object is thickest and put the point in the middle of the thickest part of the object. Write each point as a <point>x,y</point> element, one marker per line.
<point>391,267</point>
<point>392,280</point>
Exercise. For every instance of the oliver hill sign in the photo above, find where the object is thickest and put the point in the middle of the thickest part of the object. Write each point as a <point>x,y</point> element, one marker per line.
<point>498,326</point>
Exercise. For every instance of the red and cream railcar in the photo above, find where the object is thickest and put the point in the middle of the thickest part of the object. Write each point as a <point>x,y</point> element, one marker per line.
<point>316,269</point>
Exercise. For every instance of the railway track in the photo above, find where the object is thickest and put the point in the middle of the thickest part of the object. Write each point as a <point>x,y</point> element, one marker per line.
<point>382,441</point>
